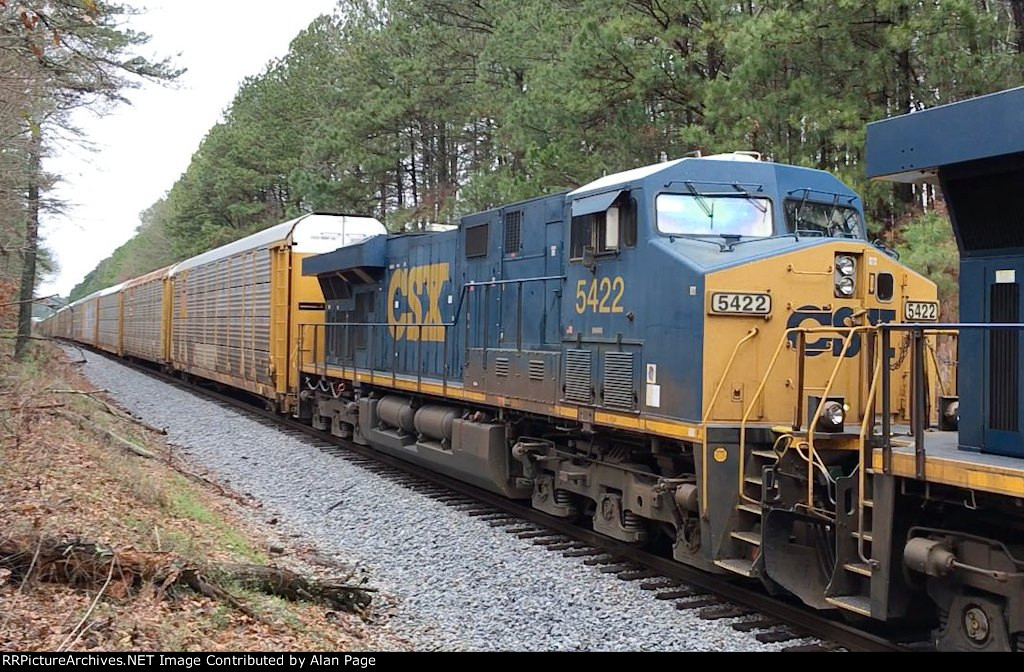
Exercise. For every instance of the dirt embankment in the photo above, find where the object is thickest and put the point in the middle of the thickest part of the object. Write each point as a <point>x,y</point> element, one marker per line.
<point>108,541</point>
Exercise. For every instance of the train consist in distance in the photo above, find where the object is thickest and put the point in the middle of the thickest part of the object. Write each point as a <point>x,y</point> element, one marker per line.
<point>705,355</point>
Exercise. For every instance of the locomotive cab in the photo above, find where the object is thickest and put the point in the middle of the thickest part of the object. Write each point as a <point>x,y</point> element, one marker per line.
<point>690,256</point>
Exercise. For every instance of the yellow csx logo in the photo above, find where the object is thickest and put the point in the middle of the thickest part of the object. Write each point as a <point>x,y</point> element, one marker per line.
<point>420,288</point>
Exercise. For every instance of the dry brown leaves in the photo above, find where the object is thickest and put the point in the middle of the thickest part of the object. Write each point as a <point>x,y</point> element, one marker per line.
<point>57,481</point>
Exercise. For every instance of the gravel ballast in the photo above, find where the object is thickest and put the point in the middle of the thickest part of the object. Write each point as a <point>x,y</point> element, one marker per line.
<point>459,584</point>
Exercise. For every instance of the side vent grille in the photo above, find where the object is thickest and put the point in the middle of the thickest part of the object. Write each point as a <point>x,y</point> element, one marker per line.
<point>1004,387</point>
<point>537,369</point>
<point>618,380</point>
<point>513,238</point>
<point>577,376</point>
<point>501,367</point>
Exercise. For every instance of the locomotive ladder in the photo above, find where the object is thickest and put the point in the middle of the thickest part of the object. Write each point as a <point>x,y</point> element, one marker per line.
<point>850,588</point>
<point>746,532</point>
<point>749,508</point>
<point>866,551</point>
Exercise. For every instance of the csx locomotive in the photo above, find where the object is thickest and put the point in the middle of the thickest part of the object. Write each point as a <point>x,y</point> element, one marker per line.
<point>703,355</point>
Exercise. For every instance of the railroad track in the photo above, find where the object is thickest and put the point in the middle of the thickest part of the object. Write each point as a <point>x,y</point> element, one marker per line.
<point>713,597</point>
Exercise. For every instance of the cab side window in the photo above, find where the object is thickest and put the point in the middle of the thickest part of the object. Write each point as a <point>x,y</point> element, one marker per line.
<point>605,232</point>
<point>627,218</point>
<point>581,236</point>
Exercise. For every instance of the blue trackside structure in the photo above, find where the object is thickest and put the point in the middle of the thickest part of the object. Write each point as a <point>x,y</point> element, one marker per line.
<point>975,151</point>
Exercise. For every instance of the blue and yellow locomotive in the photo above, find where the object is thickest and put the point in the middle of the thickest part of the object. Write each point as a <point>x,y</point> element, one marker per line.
<point>685,353</point>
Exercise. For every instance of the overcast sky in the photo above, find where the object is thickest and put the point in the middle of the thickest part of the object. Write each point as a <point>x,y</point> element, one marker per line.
<point>141,149</point>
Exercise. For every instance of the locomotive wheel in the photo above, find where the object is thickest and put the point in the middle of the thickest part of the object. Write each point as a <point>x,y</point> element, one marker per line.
<point>974,623</point>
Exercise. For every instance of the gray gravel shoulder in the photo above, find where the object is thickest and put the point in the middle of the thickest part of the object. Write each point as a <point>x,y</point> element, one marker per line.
<point>458,584</point>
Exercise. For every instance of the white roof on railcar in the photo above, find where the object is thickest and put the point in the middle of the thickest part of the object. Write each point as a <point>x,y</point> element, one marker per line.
<point>310,234</point>
<point>114,289</point>
<point>158,274</point>
<point>85,298</point>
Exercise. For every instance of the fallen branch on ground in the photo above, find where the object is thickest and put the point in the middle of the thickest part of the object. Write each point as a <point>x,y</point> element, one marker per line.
<point>58,341</point>
<point>77,631</point>
<point>32,408</point>
<point>221,490</point>
<point>89,565</point>
<point>123,443</point>
<point>24,580</point>
<point>337,594</point>
<point>92,394</point>
<point>104,433</point>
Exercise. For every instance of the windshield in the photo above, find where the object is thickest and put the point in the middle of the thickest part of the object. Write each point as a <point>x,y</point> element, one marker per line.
<point>699,215</point>
<point>829,220</point>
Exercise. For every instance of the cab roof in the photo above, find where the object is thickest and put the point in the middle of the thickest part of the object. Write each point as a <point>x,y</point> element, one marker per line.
<point>738,172</point>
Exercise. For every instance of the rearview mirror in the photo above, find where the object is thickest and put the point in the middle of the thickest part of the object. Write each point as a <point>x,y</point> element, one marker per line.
<point>589,261</point>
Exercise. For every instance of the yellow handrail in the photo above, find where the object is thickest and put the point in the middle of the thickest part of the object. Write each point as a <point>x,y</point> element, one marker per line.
<point>764,381</point>
<point>753,402</point>
<point>707,414</point>
<point>812,421</point>
<point>869,415</point>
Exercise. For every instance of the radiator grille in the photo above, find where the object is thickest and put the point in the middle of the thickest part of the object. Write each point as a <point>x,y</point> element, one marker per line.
<point>618,379</point>
<point>1003,359</point>
<point>501,367</point>
<point>577,376</point>
<point>537,369</point>
<point>513,240</point>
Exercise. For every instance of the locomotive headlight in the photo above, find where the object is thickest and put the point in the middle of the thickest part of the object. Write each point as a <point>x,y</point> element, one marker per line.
<point>832,417</point>
<point>846,265</point>
<point>845,276</point>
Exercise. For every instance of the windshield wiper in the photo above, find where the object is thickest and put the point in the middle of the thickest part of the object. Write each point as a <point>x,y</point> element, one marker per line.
<point>697,239</point>
<point>835,194</point>
<point>756,201</point>
<point>702,202</point>
<point>832,210</point>
<point>800,208</point>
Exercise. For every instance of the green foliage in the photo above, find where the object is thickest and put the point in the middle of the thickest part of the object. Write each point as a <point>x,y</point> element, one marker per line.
<point>56,56</point>
<point>928,247</point>
<point>418,111</point>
